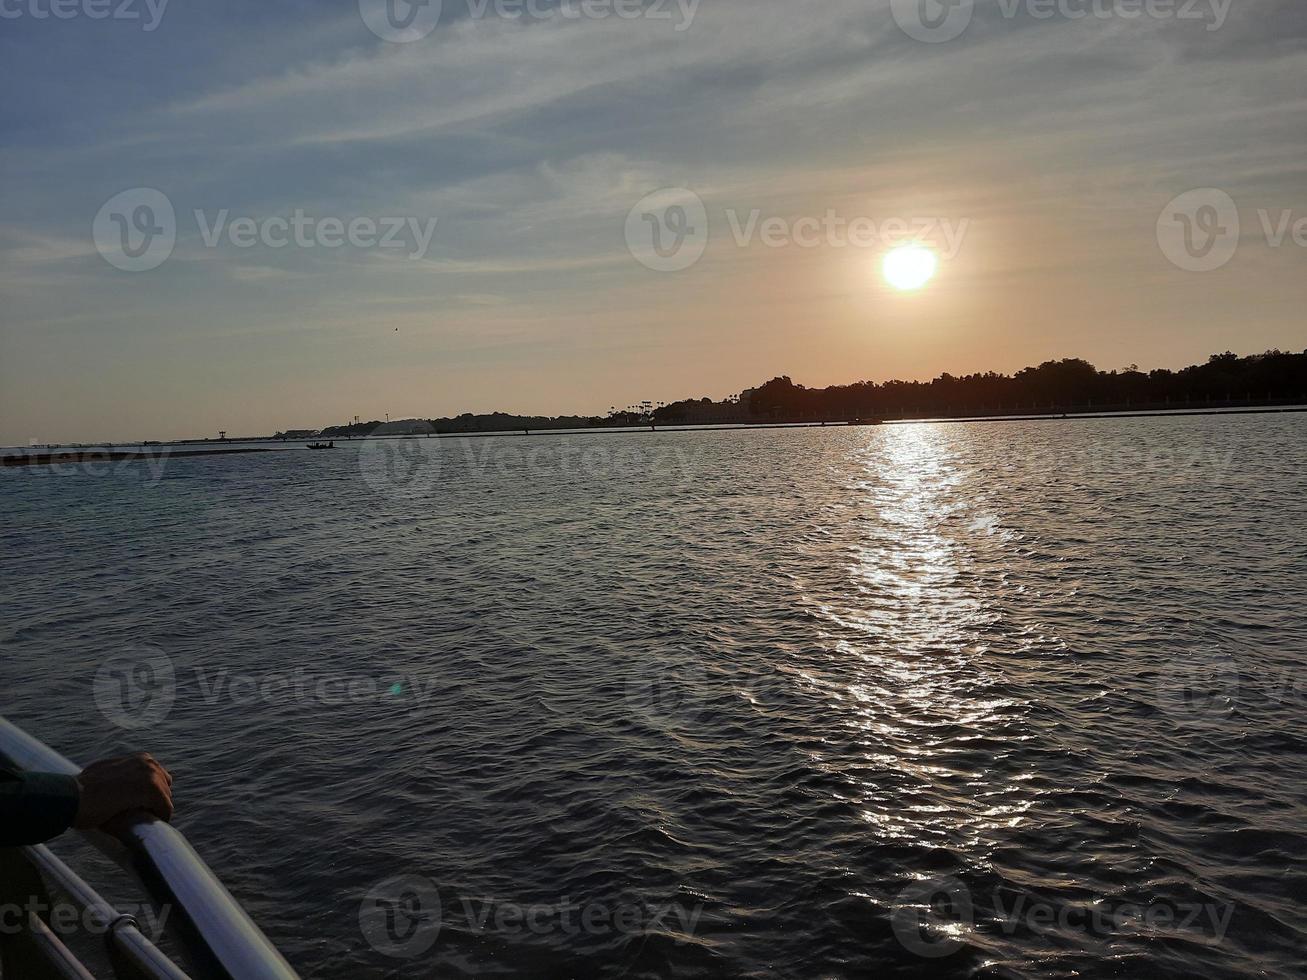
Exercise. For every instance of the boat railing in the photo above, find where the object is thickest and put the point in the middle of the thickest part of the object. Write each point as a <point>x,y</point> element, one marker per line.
<point>216,935</point>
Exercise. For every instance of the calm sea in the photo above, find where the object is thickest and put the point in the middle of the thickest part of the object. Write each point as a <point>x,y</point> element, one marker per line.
<point>1008,700</point>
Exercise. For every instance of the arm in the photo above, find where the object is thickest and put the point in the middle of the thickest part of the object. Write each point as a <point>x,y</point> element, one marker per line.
<point>37,806</point>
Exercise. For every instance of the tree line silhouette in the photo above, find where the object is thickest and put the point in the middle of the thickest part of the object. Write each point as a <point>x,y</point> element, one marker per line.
<point>1067,385</point>
<point>1054,387</point>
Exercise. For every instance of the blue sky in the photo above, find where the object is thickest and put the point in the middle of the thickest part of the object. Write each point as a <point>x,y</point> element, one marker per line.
<point>1055,142</point>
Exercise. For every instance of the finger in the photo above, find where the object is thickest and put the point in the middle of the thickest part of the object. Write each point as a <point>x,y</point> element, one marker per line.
<point>161,805</point>
<point>157,769</point>
<point>155,766</point>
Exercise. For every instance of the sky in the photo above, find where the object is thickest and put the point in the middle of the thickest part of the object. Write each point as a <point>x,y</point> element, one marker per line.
<point>556,208</point>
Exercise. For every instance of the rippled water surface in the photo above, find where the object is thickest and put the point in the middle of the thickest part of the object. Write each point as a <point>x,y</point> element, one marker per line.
<point>1010,699</point>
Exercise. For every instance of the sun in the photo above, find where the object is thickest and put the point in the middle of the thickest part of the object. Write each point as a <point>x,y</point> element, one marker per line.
<point>909,266</point>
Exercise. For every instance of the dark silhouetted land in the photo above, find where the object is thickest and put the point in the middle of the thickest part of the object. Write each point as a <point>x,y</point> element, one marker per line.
<point>1069,386</point>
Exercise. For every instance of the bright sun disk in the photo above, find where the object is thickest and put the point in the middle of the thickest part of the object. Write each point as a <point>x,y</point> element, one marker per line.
<point>909,266</point>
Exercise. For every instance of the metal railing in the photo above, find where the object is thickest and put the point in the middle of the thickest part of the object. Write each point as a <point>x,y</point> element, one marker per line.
<point>126,945</point>
<point>219,938</point>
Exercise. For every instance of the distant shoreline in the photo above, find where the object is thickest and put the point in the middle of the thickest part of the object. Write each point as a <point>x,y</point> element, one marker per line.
<point>109,455</point>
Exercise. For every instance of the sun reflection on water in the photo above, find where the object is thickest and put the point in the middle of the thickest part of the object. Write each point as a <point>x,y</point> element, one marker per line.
<point>907,637</point>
